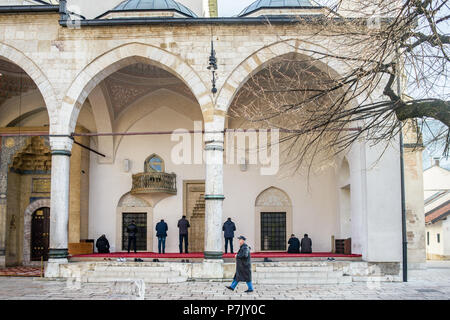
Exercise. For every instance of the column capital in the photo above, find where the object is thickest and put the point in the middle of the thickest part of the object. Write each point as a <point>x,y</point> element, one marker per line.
<point>61,145</point>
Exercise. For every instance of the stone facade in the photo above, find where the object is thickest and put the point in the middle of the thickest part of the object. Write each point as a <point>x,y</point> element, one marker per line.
<point>69,66</point>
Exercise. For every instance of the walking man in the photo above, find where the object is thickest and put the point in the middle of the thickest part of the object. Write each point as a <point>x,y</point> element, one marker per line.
<point>183,225</point>
<point>243,266</point>
<point>132,230</point>
<point>229,228</point>
<point>161,233</point>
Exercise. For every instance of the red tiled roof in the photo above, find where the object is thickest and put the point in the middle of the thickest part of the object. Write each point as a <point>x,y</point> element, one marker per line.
<point>438,213</point>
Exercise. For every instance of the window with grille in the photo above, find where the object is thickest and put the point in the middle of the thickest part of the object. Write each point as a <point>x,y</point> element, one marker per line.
<point>438,238</point>
<point>140,220</point>
<point>273,231</point>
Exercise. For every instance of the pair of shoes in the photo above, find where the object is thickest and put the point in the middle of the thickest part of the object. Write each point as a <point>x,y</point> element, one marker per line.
<point>331,259</point>
<point>122,259</point>
<point>230,288</point>
<point>138,260</point>
<point>155,260</point>
<point>267,260</point>
<point>248,291</point>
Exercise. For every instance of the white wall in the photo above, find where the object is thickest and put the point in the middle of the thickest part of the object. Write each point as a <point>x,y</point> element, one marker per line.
<point>315,203</point>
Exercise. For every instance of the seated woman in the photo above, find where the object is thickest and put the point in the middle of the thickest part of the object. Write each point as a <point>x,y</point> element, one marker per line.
<point>102,244</point>
<point>294,244</point>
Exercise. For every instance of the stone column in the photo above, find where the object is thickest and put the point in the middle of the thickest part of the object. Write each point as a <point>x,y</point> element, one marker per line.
<point>214,147</point>
<point>59,213</point>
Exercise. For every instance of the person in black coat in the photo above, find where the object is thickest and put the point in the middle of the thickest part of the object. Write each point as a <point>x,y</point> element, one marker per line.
<point>183,225</point>
<point>229,228</point>
<point>132,230</point>
<point>294,244</point>
<point>243,266</point>
<point>306,244</point>
<point>102,244</point>
<point>161,233</point>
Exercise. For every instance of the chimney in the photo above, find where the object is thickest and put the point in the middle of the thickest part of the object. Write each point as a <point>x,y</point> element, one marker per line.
<point>435,162</point>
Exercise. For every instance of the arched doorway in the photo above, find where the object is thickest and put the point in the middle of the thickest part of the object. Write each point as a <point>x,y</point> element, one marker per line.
<point>40,234</point>
<point>273,212</point>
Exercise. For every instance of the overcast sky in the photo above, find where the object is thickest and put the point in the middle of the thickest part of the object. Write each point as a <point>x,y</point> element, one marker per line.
<point>229,8</point>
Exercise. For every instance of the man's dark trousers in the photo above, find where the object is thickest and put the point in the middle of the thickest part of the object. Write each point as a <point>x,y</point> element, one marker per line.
<point>162,244</point>
<point>185,237</point>
<point>231,244</point>
<point>131,240</point>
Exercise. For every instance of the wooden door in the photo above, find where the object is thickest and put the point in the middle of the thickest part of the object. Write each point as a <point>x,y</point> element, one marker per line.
<point>40,234</point>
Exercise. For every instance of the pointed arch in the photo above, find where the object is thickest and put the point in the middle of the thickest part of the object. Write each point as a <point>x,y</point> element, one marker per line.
<point>46,89</point>
<point>116,59</point>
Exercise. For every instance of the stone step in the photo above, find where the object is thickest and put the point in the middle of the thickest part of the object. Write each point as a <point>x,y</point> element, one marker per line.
<point>295,269</point>
<point>337,280</point>
<point>102,279</point>
<point>134,274</point>
<point>296,275</point>
<point>131,269</point>
<point>310,263</point>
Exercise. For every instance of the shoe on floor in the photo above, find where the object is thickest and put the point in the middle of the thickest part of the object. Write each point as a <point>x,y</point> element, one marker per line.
<point>248,291</point>
<point>230,288</point>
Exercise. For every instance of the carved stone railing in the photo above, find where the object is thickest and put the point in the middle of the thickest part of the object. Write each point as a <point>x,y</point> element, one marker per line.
<point>154,182</point>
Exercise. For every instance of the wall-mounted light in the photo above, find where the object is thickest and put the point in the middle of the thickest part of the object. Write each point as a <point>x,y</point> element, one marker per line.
<point>126,165</point>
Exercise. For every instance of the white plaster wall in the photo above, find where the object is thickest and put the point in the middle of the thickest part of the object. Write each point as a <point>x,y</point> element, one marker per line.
<point>315,204</point>
<point>108,182</point>
<point>383,194</point>
<point>434,229</point>
<point>435,179</point>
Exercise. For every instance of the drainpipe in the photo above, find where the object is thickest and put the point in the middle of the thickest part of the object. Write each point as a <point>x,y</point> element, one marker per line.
<point>402,178</point>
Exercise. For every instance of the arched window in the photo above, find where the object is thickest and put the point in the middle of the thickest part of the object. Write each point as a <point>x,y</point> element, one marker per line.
<point>154,163</point>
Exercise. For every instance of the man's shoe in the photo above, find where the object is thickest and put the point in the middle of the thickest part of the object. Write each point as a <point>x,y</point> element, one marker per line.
<point>248,291</point>
<point>228,287</point>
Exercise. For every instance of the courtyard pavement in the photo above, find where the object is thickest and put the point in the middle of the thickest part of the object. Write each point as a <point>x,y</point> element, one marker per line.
<point>430,284</point>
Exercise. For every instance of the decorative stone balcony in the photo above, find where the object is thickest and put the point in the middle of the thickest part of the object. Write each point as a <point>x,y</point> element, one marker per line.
<point>154,182</point>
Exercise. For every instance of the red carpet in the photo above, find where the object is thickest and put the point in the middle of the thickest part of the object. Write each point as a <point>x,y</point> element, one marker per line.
<point>20,272</point>
<point>228,255</point>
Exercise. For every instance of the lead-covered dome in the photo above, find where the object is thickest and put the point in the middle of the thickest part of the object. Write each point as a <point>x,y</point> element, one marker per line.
<point>142,8</point>
<point>277,5</point>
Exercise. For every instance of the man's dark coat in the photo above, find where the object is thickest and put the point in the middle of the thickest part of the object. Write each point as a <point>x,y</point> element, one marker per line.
<point>294,245</point>
<point>306,245</point>
<point>229,228</point>
<point>161,229</point>
<point>243,264</point>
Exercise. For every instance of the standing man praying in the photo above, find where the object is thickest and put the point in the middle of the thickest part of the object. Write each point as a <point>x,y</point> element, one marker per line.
<point>229,228</point>
<point>132,230</point>
<point>161,234</point>
<point>183,225</point>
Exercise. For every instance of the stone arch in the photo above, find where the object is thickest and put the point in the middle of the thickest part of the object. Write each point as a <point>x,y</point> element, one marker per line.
<point>344,196</point>
<point>261,58</point>
<point>272,199</point>
<point>32,207</point>
<point>129,203</point>
<point>120,57</point>
<point>36,74</point>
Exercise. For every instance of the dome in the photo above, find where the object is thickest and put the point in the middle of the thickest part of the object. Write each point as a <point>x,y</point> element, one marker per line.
<point>276,4</point>
<point>153,5</point>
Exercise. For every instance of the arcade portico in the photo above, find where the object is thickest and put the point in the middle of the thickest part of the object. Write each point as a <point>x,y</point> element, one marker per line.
<point>116,75</point>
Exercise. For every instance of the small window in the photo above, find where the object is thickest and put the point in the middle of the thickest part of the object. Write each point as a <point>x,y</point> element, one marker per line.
<point>428,238</point>
<point>154,163</point>
<point>438,238</point>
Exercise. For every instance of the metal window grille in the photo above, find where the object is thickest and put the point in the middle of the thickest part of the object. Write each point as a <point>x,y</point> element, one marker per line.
<point>273,231</point>
<point>141,237</point>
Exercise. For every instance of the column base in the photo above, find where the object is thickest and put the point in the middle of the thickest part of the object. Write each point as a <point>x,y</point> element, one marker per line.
<point>56,254</point>
<point>209,269</point>
<point>213,255</point>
